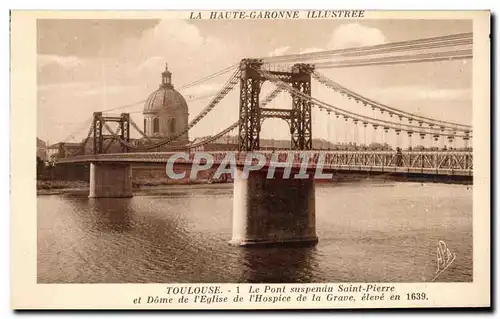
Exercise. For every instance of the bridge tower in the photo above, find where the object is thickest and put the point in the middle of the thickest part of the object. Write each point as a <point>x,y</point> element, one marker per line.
<point>110,179</point>
<point>280,210</point>
<point>250,116</point>
<point>98,123</point>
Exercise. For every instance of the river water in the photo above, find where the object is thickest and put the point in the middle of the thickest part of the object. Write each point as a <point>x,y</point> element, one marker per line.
<point>368,232</point>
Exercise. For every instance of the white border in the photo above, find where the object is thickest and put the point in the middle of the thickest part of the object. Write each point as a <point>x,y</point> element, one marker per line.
<point>143,5</point>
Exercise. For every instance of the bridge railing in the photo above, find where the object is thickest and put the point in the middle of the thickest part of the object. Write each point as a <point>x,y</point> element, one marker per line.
<point>329,159</point>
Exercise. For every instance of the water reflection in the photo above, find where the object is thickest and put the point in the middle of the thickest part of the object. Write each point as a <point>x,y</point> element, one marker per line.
<point>278,264</point>
<point>111,214</point>
<point>365,233</point>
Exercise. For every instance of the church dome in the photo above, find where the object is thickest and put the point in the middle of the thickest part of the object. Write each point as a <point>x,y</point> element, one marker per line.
<point>166,97</point>
<point>166,112</point>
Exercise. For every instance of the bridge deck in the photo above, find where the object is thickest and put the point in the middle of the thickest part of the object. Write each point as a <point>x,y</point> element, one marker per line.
<point>431,163</point>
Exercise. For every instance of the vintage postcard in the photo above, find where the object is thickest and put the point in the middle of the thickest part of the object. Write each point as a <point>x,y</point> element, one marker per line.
<point>265,159</point>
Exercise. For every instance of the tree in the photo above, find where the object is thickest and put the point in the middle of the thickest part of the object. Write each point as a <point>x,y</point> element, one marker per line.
<point>40,167</point>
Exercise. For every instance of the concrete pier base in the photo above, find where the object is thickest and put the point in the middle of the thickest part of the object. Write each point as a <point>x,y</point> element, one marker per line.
<point>273,211</point>
<point>110,180</point>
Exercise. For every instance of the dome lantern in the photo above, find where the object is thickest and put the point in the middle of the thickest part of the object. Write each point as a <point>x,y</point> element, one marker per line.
<point>166,78</point>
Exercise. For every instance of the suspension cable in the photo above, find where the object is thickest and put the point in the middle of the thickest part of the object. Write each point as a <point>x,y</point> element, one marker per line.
<point>270,97</point>
<point>337,87</point>
<point>387,51</point>
<point>208,77</point>
<point>230,84</point>
<point>366,49</point>
<point>110,142</point>
<point>399,60</point>
<point>84,142</point>
<point>345,113</point>
<point>141,132</point>
<point>214,137</point>
<point>80,128</point>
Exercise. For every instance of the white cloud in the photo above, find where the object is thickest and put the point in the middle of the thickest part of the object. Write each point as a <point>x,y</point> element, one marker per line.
<point>99,89</point>
<point>69,62</point>
<point>82,89</point>
<point>355,35</point>
<point>311,50</point>
<point>170,40</point>
<point>154,62</point>
<point>57,87</point>
<point>279,51</point>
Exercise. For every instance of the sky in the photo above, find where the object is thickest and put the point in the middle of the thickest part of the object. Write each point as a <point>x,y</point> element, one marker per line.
<point>85,66</point>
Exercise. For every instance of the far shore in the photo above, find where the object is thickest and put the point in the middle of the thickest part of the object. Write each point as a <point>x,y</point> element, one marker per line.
<point>54,187</point>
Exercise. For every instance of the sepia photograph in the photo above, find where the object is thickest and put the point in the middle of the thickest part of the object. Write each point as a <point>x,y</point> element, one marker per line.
<point>264,147</point>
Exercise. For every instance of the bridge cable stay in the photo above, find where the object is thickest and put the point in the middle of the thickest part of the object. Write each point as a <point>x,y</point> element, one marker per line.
<point>352,115</point>
<point>199,81</point>
<point>387,60</point>
<point>354,133</point>
<point>189,100</point>
<point>345,113</point>
<point>141,132</point>
<point>328,131</point>
<point>426,43</point>
<point>223,92</point>
<point>319,103</point>
<point>143,101</point>
<point>403,114</point>
<point>400,59</point>
<point>110,141</point>
<point>212,138</point>
<point>386,126</point>
<point>230,84</point>
<point>413,45</point>
<point>417,44</point>
<point>80,128</point>
<point>208,77</point>
<point>425,46</point>
<point>123,106</point>
<point>365,125</point>
<point>83,143</point>
<point>268,99</point>
<point>201,97</point>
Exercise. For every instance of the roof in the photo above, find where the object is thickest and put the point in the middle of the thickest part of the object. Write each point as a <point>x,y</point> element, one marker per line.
<point>165,98</point>
<point>40,143</point>
<point>66,144</point>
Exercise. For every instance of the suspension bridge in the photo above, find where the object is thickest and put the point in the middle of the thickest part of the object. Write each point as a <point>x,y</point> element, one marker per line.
<point>282,210</point>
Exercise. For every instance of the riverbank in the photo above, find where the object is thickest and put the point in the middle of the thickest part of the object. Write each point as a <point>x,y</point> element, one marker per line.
<point>58,184</point>
<point>55,187</point>
<point>52,187</point>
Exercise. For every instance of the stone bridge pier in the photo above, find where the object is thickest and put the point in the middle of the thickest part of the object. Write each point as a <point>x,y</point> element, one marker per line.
<point>110,180</point>
<point>273,211</point>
